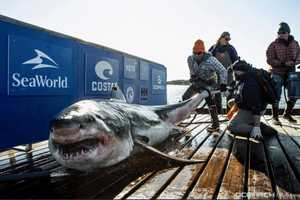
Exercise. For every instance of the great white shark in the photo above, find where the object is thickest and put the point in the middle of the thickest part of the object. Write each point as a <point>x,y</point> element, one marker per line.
<point>99,133</point>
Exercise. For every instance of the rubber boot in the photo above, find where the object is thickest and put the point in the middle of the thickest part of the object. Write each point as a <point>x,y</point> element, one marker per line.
<point>215,127</point>
<point>275,112</point>
<point>288,112</point>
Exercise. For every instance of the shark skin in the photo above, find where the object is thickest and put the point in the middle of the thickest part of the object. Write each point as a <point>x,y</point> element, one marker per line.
<point>92,134</point>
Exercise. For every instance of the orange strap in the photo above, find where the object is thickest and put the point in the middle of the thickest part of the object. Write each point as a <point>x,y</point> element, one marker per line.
<point>232,110</point>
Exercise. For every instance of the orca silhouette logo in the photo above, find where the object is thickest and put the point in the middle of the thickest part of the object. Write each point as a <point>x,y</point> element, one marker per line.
<point>101,67</point>
<point>39,59</point>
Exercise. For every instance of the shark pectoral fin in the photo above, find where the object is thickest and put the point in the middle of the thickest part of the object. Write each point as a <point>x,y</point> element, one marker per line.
<point>164,156</point>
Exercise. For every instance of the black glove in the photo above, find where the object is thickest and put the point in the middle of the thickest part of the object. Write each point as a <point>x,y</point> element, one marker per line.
<point>223,87</point>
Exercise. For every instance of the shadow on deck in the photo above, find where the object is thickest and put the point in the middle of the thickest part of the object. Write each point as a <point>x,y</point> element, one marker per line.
<point>235,167</point>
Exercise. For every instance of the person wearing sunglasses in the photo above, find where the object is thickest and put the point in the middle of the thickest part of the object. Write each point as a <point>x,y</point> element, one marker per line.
<point>204,71</point>
<point>283,56</point>
<point>227,55</point>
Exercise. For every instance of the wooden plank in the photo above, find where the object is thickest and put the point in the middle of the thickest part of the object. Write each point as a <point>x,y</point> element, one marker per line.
<point>177,189</point>
<point>233,182</point>
<point>291,149</point>
<point>29,158</point>
<point>198,137</point>
<point>41,188</point>
<point>189,131</point>
<point>206,185</point>
<point>154,185</point>
<point>259,181</point>
<point>294,133</point>
<point>287,185</point>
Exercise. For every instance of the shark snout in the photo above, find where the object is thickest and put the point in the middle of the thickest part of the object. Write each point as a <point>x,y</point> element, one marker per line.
<point>64,131</point>
<point>64,124</point>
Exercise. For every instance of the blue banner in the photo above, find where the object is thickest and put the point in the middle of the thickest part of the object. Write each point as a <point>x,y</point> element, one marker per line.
<point>144,71</point>
<point>158,81</point>
<point>36,67</point>
<point>102,73</point>
<point>130,93</point>
<point>144,94</point>
<point>130,67</point>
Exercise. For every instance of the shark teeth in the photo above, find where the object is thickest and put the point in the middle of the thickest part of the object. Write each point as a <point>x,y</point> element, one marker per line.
<point>77,149</point>
<point>70,156</point>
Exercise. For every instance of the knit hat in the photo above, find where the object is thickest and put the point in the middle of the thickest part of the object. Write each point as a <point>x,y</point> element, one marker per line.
<point>284,28</point>
<point>199,47</point>
<point>241,65</point>
<point>224,34</point>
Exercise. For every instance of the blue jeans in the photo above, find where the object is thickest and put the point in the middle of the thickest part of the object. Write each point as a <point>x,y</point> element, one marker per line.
<point>279,83</point>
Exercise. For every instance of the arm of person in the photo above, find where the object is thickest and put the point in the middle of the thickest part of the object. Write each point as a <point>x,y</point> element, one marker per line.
<point>271,56</point>
<point>220,69</point>
<point>212,50</point>
<point>233,54</point>
<point>190,62</point>
<point>297,60</point>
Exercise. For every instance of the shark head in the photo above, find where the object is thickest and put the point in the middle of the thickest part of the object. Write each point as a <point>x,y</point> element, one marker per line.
<point>89,135</point>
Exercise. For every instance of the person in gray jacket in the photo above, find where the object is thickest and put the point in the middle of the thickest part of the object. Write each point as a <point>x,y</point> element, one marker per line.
<point>205,70</point>
<point>227,55</point>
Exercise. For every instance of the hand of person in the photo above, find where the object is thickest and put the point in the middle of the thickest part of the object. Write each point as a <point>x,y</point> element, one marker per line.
<point>290,63</point>
<point>226,93</point>
<point>223,87</point>
<point>256,133</point>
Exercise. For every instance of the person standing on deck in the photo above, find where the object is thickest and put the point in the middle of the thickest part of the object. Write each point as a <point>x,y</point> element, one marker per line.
<point>250,100</point>
<point>226,54</point>
<point>283,56</point>
<point>204,72</point>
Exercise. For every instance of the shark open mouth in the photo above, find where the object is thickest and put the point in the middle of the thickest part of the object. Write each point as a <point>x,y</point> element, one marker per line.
<point>76,149</point>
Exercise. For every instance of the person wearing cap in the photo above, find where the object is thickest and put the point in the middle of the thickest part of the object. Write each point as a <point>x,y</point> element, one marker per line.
<point>226,54</point>
<point>204,72</point>
<point>283,56</point>
<point>246,122</point>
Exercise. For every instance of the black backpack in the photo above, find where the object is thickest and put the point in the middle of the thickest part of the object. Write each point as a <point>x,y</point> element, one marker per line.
<point>267,84</point>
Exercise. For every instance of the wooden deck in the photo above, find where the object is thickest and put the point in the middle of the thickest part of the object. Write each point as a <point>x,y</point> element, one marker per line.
<point>234,168</point>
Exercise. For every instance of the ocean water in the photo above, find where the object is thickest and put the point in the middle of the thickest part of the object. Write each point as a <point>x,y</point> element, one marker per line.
<point>175,92</point>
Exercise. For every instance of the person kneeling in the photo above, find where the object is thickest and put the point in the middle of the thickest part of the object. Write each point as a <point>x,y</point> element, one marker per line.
<point>249,98</point>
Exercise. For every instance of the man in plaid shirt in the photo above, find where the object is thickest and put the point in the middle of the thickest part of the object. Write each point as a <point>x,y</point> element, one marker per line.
<point>283,55</point>
<point>204,71</point>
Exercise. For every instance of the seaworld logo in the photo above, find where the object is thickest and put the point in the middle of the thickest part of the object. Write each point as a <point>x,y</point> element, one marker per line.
<point>41,61</point>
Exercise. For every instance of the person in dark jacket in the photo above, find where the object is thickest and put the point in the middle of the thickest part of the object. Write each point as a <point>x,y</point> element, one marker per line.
<point>226,54</point>
<point>249,98</point>
<point>283,56</point>
<point>204,72</point>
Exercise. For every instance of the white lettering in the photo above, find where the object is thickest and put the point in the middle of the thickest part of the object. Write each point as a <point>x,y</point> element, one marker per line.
<point>130,68</point>
<point>32,82</point>
<point>39,81</point>
<point>16,82</point>
<point>158,87</point>
<point>102,86</point>
<point>24,82</point>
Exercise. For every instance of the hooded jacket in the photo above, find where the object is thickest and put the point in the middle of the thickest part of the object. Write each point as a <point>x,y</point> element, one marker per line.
<point>249,95</point>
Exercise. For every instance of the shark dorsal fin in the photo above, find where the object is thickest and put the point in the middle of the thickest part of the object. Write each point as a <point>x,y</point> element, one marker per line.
<point>117,94</point>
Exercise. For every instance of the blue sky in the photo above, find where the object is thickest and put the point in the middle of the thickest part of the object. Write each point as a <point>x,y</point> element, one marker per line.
<point>163,30</point>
